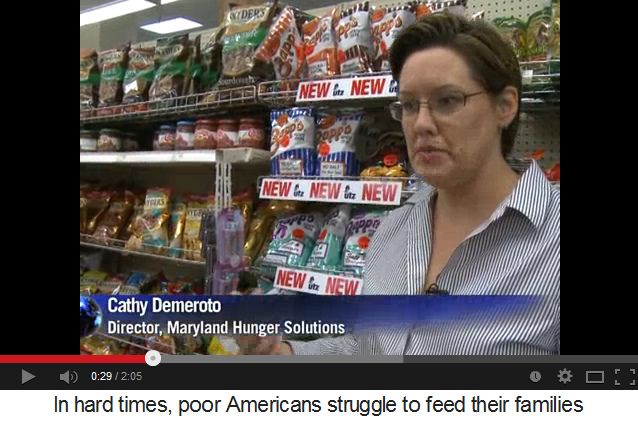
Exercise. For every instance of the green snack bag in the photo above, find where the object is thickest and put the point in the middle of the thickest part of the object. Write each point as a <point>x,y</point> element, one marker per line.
<point>326,254</point>
<point>513,31</point>
<point>539,28</point>
<point>293,240</point>
<point>360,230</point>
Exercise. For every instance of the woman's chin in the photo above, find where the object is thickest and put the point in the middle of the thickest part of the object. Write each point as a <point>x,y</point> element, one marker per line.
<point>435,175</point>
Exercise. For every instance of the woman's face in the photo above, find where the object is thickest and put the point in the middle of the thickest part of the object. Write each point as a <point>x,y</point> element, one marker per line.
<point>450,140</point>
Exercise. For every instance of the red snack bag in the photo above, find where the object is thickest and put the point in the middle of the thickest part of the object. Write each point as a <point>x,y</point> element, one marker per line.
<point>386,25</point>
<point>320,43</point>
<point>284,48</point>
<point>354,38</point>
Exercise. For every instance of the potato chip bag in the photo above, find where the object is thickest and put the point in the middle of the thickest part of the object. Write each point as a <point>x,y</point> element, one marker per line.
<point>361,228</point>
<point>354,39</point>
<point>115,218</point>
<point>176,228</point>
<point>98,204</point>
<point>320,44</point>
<point>336,151</point>
<point>196,206</point>
<point>386,25</point>
<point>293,239</point>
<point>155,219</point>
<point>327,252</point>
<point>292,146</point>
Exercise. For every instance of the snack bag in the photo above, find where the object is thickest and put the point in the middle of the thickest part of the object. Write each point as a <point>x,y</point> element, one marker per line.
<point>211,60</point>
<point>292,145</point>
<point>114,219</point>
<point>539,28</point>
<point>554,42</point>
<point>293,240</point>
<point>246,29</point>
<point>283,47</point>
<point>360,230</point>
<point>135,228</point>
<point>320,44</point>
<point>196,206</point>
<point>387,157</point>
<point>456,7</point>
<point>336,151</point>
<point>258,229</point>
<point>99,202</point>
<point>84,204</point>
<point>176,231</point>
<point>194,83</point>
<point>354,38</point>
<point>89,78</point>
<point>171,60</point>
<point>139,76</point>
<point>327,253</point>
<point>113,65</point>
<point>244,202</point>
<point>155,220</point>
<point>386,25</point>
<point>514,32</point>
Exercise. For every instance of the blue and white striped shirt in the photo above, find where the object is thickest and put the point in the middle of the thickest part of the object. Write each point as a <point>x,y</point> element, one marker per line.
<point>515,252</point>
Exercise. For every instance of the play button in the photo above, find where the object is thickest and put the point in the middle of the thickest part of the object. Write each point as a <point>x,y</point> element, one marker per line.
<point>26,376</point>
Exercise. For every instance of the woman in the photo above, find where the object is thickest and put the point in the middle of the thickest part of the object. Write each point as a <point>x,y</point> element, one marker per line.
<point>483,225</point>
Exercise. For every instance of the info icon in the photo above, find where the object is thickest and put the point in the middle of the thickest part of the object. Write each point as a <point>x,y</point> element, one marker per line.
<point>90,316</point>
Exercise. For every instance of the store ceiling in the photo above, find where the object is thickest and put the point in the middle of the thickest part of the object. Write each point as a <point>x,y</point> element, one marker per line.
<point>202,11</point>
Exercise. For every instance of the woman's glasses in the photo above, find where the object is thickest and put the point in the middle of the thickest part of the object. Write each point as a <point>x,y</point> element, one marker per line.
<point>442,104</point>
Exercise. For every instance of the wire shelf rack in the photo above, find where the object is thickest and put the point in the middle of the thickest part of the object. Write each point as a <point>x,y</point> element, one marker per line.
<point>216,102</point>
<point>119,246</point>
<point>541,87</point>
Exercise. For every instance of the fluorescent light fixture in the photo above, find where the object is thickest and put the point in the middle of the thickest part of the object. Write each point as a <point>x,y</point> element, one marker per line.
<point>171,25</point>
<point>168,1</point>
<point>113,10</point>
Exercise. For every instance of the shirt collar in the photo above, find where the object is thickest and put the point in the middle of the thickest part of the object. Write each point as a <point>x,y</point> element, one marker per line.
<point>530,197</point>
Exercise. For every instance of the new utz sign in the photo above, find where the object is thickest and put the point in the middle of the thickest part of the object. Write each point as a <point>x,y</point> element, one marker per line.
<point>317,283</point>
<point>337,191</point>
<point>359,87</point>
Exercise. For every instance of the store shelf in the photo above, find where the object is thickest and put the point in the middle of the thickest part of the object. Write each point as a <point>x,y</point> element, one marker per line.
<point>541,87</point>
<point>117,246</point>
<point>235,155</point>
<point>211,103</point>
<point>386,191</point>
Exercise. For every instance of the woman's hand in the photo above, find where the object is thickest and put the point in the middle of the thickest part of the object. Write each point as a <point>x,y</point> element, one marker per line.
<point>269,345</point>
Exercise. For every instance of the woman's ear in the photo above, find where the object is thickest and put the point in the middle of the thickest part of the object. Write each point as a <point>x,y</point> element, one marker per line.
<point>507,106</point>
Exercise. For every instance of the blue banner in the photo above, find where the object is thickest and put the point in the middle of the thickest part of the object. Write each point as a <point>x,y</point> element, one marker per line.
<point>302,314</point>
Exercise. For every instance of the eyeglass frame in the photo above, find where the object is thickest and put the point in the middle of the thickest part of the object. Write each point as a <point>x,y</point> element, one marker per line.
<point>426,102</point>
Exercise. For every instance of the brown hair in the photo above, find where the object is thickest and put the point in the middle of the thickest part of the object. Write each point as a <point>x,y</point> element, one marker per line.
<point>491,60</point>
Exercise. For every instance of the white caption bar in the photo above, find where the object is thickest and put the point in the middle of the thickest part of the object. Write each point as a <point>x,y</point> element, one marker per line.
<point>339,191</point>
<point>141,405</point>
<point>317,283</point>
<point>364,87</point>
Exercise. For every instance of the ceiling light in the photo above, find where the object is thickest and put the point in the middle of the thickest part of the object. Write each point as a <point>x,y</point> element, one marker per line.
<point>172,25</point>
<point>113,10</point>
<point>168,1</point>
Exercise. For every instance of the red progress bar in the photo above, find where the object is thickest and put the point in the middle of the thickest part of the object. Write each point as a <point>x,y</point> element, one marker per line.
<point>71,359</point>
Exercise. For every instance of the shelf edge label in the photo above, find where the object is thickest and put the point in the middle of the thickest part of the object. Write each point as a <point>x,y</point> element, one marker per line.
<point>371,192</point>
<point>364,87</point>
<point>317,283</point>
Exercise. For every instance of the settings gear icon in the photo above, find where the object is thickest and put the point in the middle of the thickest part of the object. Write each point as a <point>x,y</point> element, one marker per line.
<point>565,376</point>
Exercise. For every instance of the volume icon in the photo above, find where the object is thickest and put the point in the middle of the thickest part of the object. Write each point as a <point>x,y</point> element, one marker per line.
<point>69,377</point>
